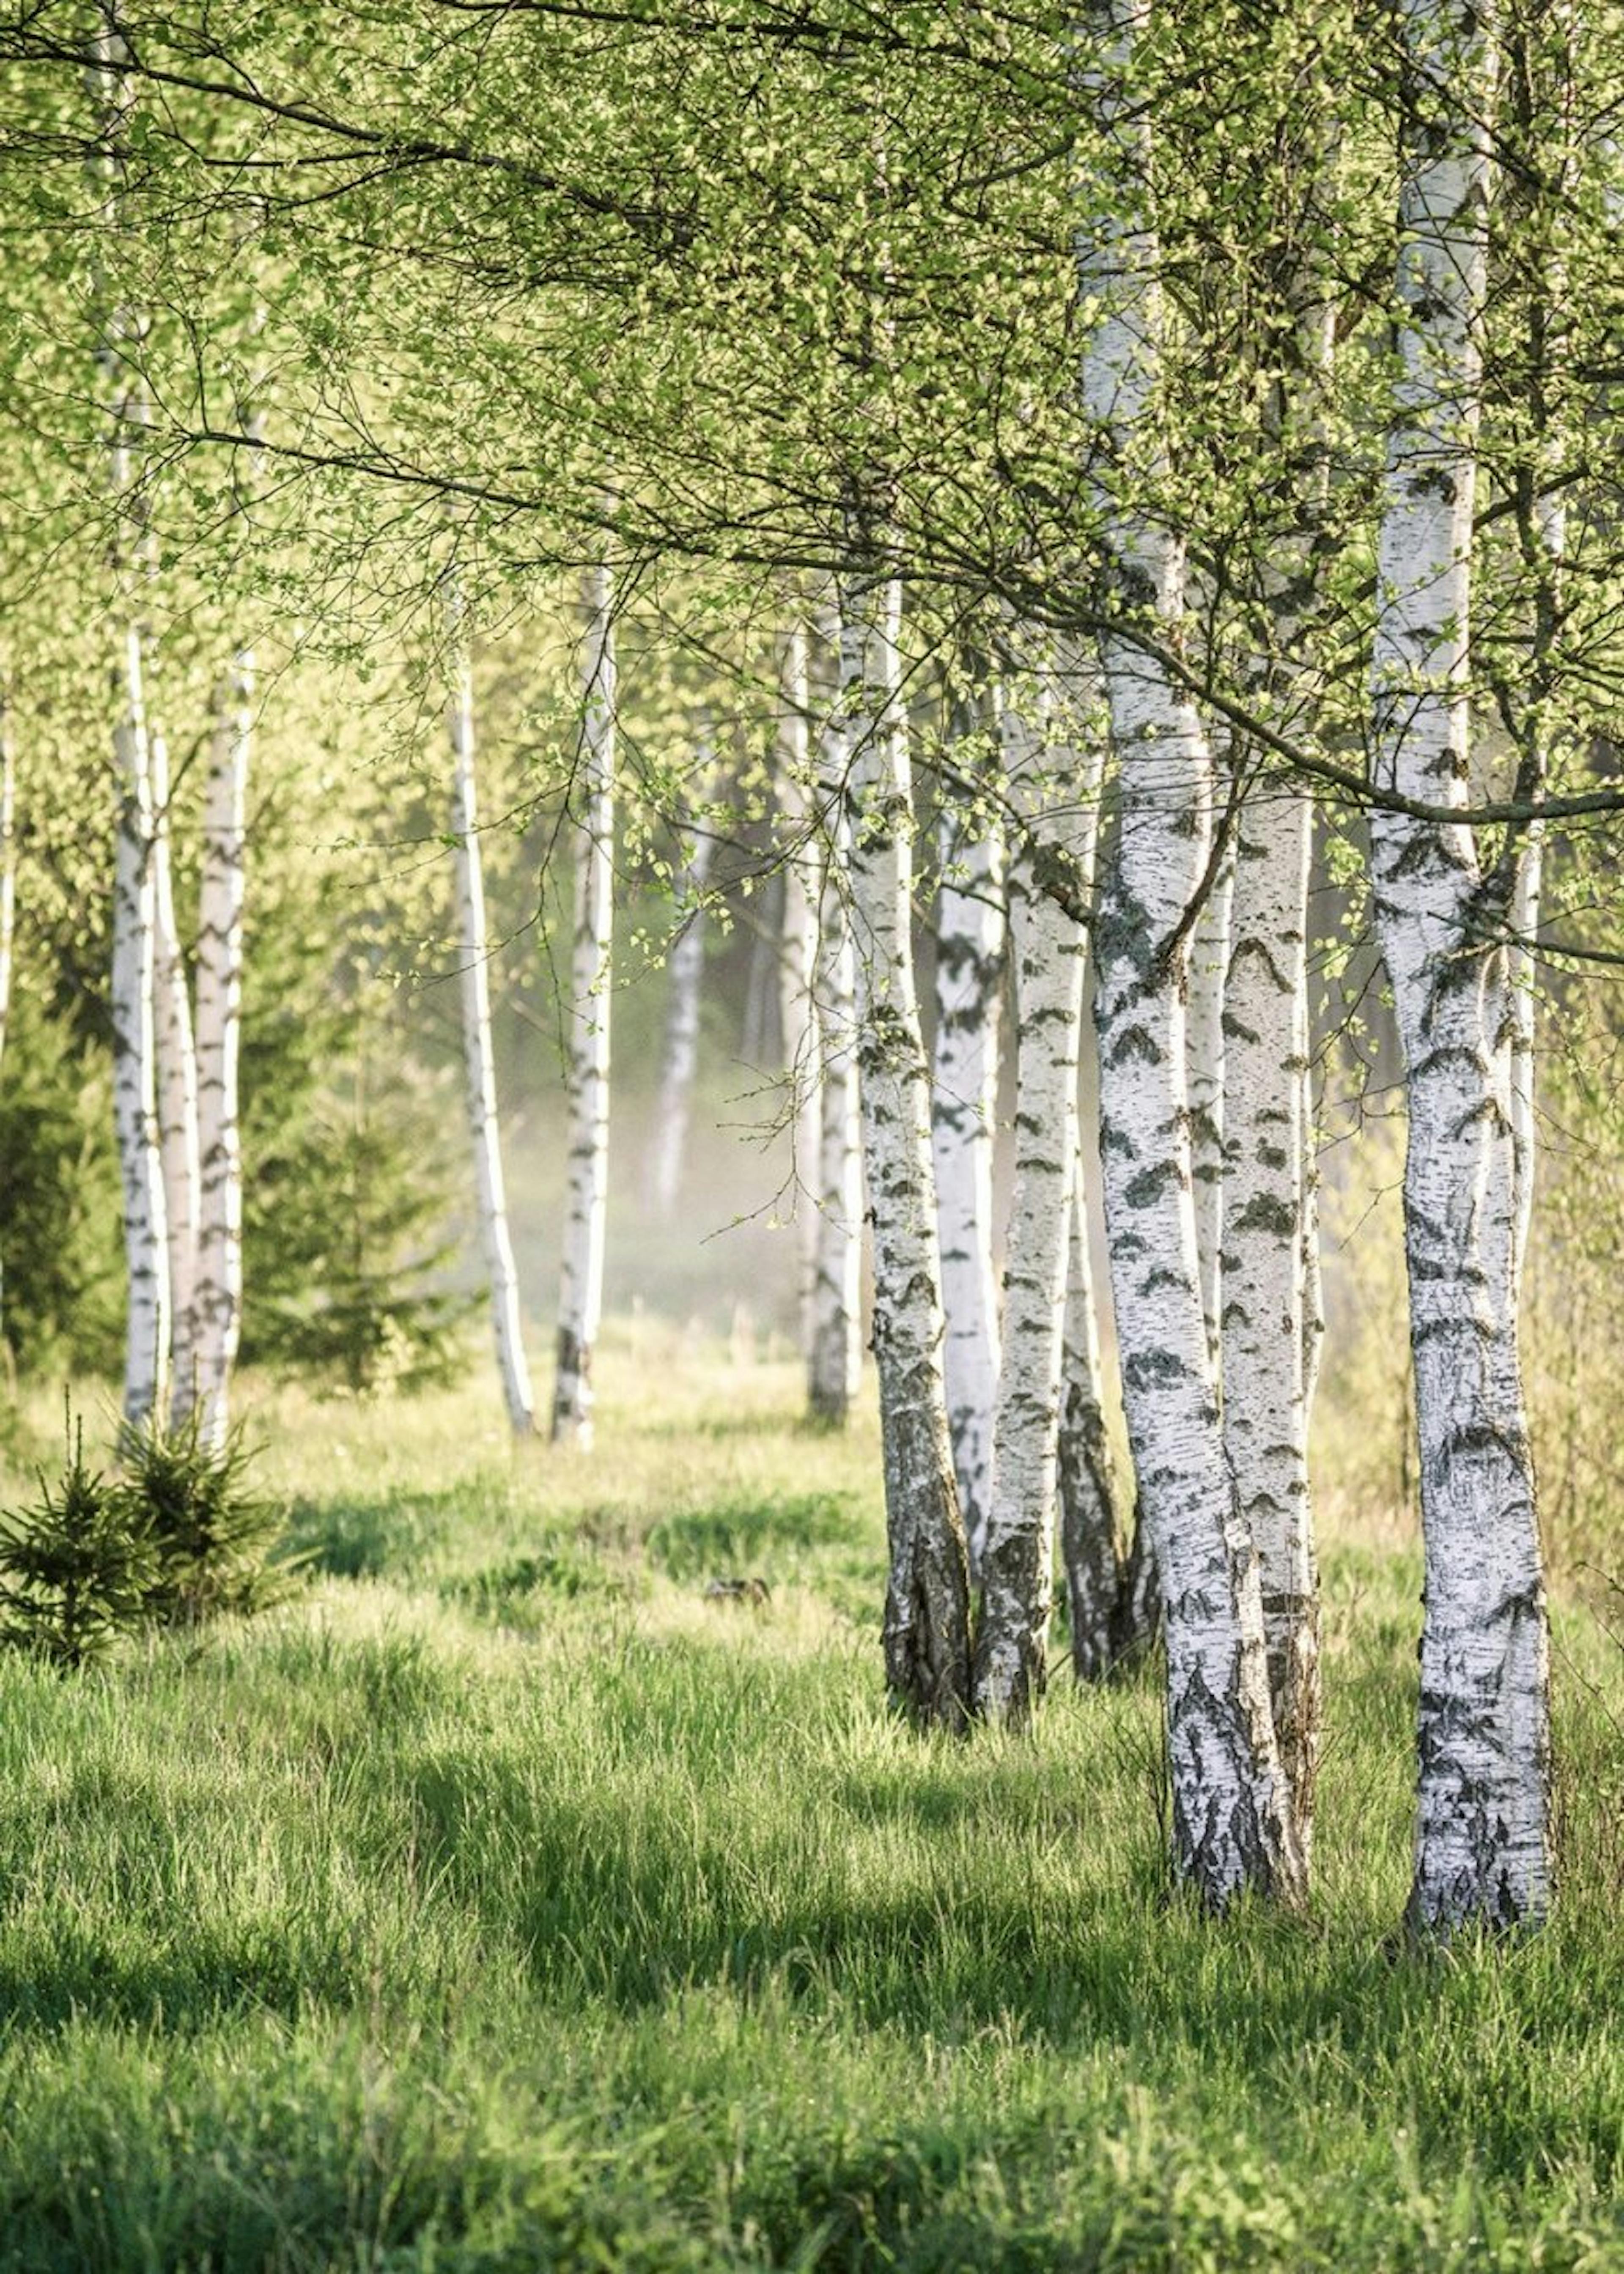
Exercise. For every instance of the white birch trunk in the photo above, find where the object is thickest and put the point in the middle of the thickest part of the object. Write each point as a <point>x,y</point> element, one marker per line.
<point>1209,950</point>
<point>177,1095</point>
<point>834,1358</point>
<point>478,1056</point>
<point>1096,1577</point>
<point>1054,798</point>
<point>926,1606</point>
<point>1267,1232</point>
<point>1231,1819</point>
<point>1482,1842</point>
<point>135,1111</point>
<point>970,952</point>
<point>798,961</point>
<point>135,1117</point>
<point>580,1291</point>
<point>221,898</point>
<point>219,1038</point>
<point>685,964</point>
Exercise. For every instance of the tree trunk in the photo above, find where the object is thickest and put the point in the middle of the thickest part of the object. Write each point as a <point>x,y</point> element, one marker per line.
<point>1231,1820</point>
<point>178,1146</point>
<point>1053,790</point>
<point>834,1361</point>
<point>1266,1231</point>
<point>685,965</point>
<point>1096,1576</point>
<point>1482,1842</point>
<point>478,1058</point>
<point>221,896</point>
<point>135,1115</point>
<point>219,1033</point>
<point>581,1292</point>
<point>927,1603</point>
<point>798,961</point>
<point>1209,950</point>
<point>970,951</point>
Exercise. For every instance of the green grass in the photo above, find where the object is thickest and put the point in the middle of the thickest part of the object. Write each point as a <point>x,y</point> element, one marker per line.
<point>506,1904</point>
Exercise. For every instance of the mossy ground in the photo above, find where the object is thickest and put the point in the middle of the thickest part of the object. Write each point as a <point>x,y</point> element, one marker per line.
<point>505,1903</point>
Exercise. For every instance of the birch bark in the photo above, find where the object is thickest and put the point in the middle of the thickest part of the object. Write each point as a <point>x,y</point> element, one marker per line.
<point>1232,1824</point>
<point>586,1206</point>
<point>927,1605</point>
<point>1053,794</point>
<point>478,1056</point>
<point>134,1045</point>
<point>177,1094</point>
<point>835,1353</point>
<point>221,898</point>
<point>685,963</point>
<point>970,962</point>
<point>798,961</point>
<point>1266,1233</point>
<point>1482,1842</point>
<point>1209,953</point>
<point>219,1031</point>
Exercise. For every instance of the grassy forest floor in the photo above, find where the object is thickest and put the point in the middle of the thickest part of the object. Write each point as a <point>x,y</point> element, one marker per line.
<point>503,1903</point>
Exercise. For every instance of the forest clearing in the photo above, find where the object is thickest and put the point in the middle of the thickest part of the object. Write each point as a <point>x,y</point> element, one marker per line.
<point>811,1135</point>
<point>506,1902</point>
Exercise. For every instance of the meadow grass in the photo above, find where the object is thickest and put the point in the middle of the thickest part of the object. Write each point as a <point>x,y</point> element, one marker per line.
<point>505,1903</point>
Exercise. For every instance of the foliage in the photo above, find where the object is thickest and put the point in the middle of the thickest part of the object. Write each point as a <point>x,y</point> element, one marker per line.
<point>59,1199</point>
<point>351,1237</point>
<point>212,1537</point>
<point>288,1923</point>
<point>79,1563</point>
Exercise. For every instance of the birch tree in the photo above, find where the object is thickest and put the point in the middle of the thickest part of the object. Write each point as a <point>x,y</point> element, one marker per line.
<point>134,1041</point>
<point>1482,1839</point>
<point>176,1078</point>
<point>674,1103</point>
<point>969,985</point>
<point>926,1637</point>
<point>798,947</point>
<point>478,1055</point>
<point>221,899</point>
<point>580,1291</point>
<point>1232,1822</point>
<point>1053,790</point>
<point>834,1359</point>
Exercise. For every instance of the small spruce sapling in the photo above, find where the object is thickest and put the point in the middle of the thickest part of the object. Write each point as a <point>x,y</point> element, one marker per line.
<point>76,1566</point>
<point>213,1537</point>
